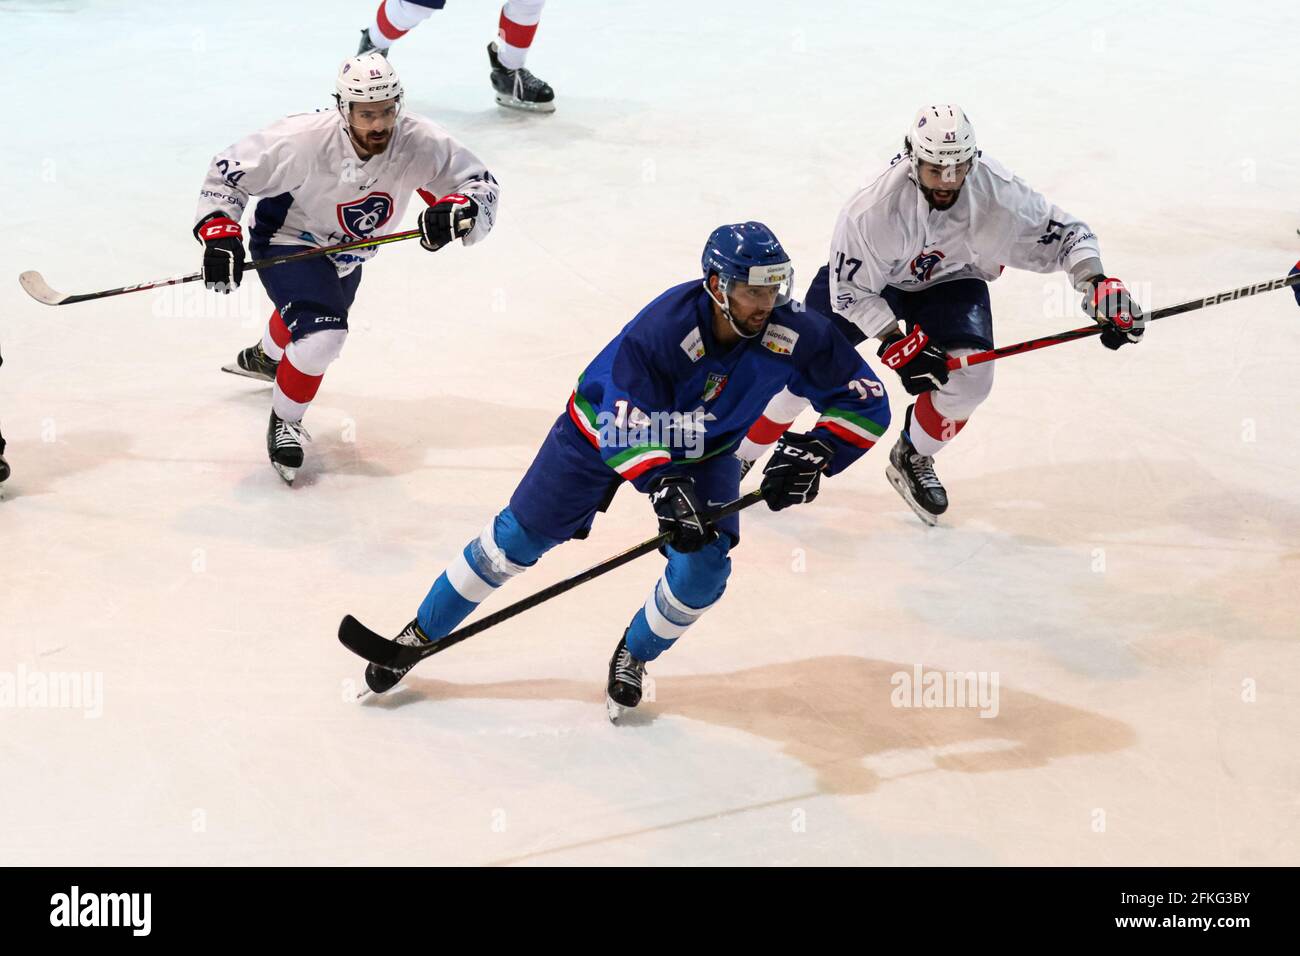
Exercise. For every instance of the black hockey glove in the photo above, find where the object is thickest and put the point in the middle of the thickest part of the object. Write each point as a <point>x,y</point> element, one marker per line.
<point>680,514</point>
<point>794,472</point>
<point>1108,302</point>
<point>223,252</point>
<point>450,218</point>
<point>921,365</point>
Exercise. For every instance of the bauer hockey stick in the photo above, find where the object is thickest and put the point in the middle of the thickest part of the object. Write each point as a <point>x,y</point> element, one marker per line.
<point>992,355</point>
<point>377,649</point>
<point>34,283</point>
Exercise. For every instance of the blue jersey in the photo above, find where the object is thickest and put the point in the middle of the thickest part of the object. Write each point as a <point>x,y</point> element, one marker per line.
<point>665,392</point>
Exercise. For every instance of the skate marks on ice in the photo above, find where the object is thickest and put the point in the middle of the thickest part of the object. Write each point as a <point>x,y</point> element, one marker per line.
<point>357,435</point>
<point>1120,551</point>
<point>835,715</point>
<point>40,465</point>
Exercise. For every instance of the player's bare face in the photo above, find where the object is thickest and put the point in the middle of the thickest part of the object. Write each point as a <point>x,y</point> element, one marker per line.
<point>372,125</point>
<point>941,184</point>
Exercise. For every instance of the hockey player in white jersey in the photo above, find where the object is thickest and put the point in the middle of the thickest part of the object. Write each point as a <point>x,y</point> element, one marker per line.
<point>327,178</point>
<point>919,246</point>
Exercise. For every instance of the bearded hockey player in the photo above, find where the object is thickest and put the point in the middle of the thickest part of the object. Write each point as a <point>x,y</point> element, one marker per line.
<point>919,246</point>
<point>661,408</point>
<point>327,178</point>
<point>515,87</point>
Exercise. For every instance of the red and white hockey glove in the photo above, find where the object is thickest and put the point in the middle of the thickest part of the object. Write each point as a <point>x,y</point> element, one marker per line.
<point>1109,303</point>
<point>223,252</point>
<point>449,218</point>
<point>921,365</point>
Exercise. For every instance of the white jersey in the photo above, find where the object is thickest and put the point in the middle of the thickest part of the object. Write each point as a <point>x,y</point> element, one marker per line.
<point>316,192</point>
<point>887,235</point>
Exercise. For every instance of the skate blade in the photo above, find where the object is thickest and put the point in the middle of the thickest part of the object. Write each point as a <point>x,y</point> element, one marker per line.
<point>523,105</point>
<point>285,472</point>
<point>234,369</point>
<point>615,711</point>
<point>905,493</point>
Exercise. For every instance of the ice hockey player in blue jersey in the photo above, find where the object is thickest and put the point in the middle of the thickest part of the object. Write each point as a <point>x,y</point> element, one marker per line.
<point>662,407</point>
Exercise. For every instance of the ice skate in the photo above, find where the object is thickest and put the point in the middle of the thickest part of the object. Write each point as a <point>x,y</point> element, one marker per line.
<point>253,362</point>
<point>912,475</point>
<point>519,89</point>
<point>368,45</point>
<point>284,444</point>
<point>623,691</point>
<point>380,679</point>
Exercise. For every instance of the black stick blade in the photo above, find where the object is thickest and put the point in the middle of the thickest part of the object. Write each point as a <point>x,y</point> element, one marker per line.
<point>376,648</point>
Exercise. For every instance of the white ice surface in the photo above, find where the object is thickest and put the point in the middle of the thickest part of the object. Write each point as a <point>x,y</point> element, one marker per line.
<point>145,539</point>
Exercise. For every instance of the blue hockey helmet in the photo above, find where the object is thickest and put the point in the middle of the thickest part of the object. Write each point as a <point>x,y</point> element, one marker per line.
<point>747,252</point>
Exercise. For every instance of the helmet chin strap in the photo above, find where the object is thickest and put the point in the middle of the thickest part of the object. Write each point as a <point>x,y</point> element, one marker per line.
<point>725,305</point>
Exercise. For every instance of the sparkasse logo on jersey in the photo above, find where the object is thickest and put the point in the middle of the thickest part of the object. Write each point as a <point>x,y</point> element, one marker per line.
<point>76,909</point>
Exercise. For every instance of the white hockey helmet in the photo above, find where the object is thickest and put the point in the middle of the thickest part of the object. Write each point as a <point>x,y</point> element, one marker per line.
<point>942,136</point>
<point>368,78</point>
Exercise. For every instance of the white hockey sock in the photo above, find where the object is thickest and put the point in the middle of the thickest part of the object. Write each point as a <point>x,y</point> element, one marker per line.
<point>275,337</point>
<point>393,19</point>
<point>937,417</point>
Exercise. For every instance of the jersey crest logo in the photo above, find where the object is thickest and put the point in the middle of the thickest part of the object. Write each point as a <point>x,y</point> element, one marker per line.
<point>714,386</point>
<point>693,345</point>
<point>361,217</point>
<point>780,339</point>
<point>923,266</point>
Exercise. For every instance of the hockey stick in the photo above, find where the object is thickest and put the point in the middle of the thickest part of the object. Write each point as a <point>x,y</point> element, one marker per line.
<point>377,649</point>
<point>34,283</point>
<point>992,355</point>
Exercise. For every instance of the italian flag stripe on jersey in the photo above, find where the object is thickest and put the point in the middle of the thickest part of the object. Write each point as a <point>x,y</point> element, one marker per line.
<point>635,462</point>
<point>630,463</point>
<point>857,430</point>
<point>584,416</point>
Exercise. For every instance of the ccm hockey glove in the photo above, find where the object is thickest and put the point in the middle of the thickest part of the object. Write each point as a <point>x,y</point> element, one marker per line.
<point>450,218</point>
<point>223,252</point>
<point>680,514</point>
<point>1108,302</point>
<point>921,365</point>
<point>794,472</point>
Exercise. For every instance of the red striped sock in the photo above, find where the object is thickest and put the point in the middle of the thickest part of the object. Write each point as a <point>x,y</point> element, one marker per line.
<point>385,25</point>
<point>294,390</point>
<point>937,428</point>
<point>518,35</point>
<point>276,337</point>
